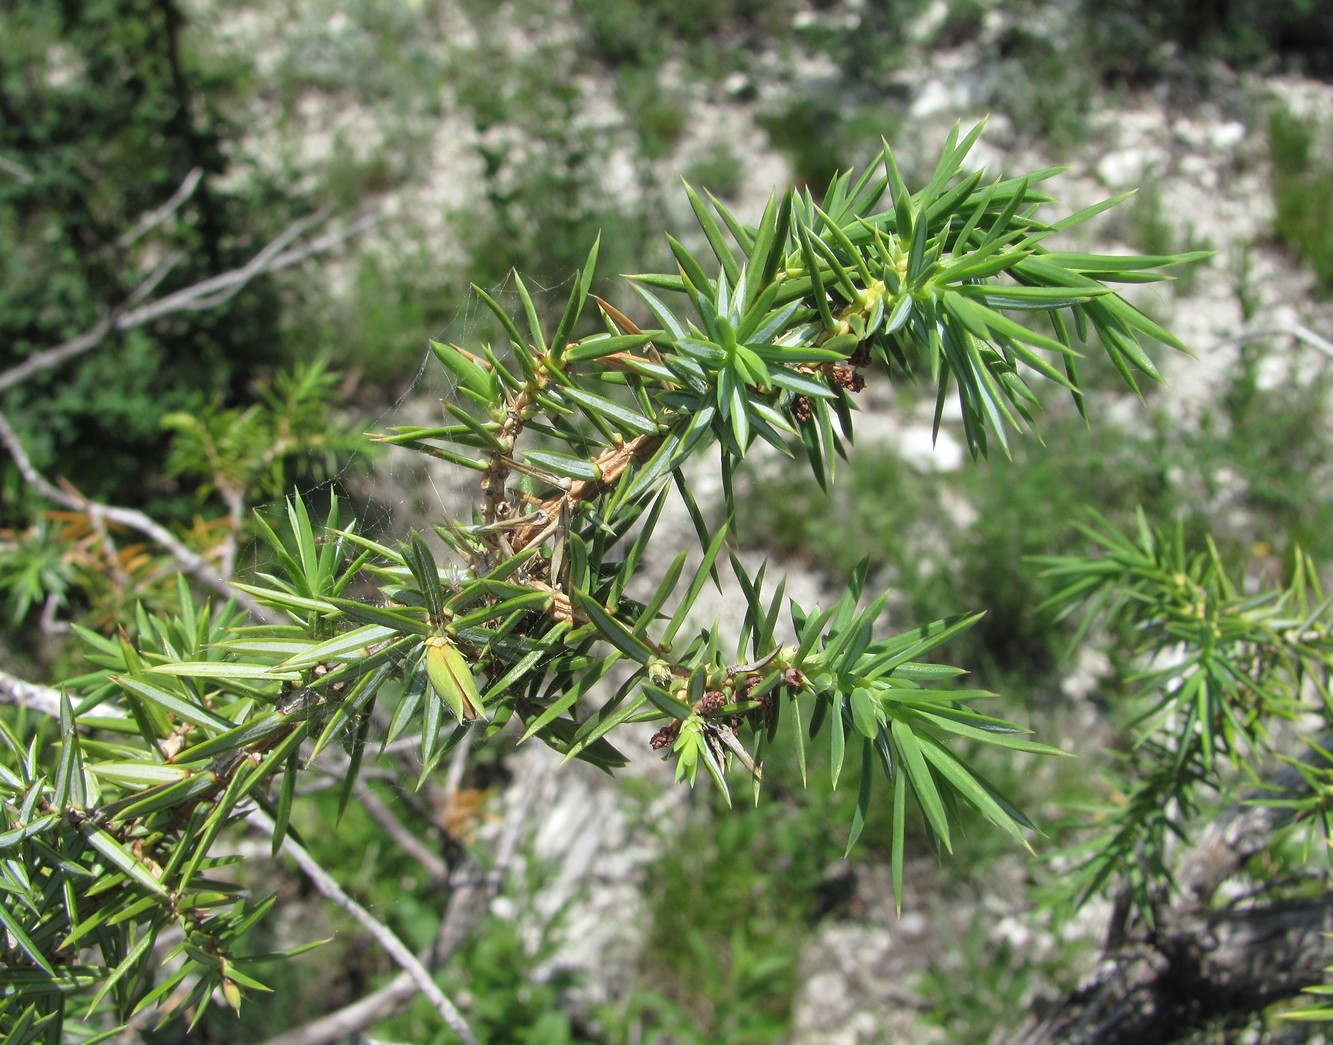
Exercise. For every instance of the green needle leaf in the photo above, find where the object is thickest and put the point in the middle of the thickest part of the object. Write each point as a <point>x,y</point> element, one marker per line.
<point>611,629</point>
<point>921,778</point>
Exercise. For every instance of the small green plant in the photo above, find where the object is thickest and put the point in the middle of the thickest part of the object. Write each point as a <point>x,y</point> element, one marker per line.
<point>1150,232</point>
<point>1200,716</point>
<point>760,876</point>
<point>869,44</point>
<point>1128,35</point>
<point>1262,455</point>
<point>644,32</point>
<point>509,1006</point>
<point>375,323</point>
<point>963,22</point>
<point>542,214</point>
<point>1213,821</point>
<point>657,115</point>
<point>91,564</point>
<point>717,171</point>
<point>983,976</point>
<point>517,616</point>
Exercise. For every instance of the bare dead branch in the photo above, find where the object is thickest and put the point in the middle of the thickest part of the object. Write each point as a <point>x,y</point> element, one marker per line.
<point>453,779</point>
<point>399,834</point>
<point>214,291</point>
<point>155,218</point>
<point>473,896</point>
<point>347,1021</point>
<point>1203,969</point>
<point>48,622</point>
<point>209,293</point>
<point>31,476</point>
<point>1298,331</point>
<point>29,695</point>
<point>189,561</point>
<point>44,700</point>
<point>16,171</point>
<point>154,278</point>
<point>53,357</point>
<point>384,936</point>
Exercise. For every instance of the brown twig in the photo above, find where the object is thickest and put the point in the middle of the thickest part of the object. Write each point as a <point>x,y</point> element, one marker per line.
<point>610,463</point>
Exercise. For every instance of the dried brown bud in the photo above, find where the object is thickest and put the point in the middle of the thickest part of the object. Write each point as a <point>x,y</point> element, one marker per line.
<point>800,409</point>
<point>847,376</point>
<point>666,736</point>
<point>710,702</point>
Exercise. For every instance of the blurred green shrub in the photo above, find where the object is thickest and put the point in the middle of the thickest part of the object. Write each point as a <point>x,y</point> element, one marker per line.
<point>719,171</point>
<point>643,32</point>
<point>1045,85</point>
<point>1128,36</point>
<point>1303,190</point>
<point>823,131</point>
<point>657,114</point>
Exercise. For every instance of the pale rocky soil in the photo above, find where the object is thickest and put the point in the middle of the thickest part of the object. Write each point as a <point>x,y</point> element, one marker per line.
<point>1208,162</point>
